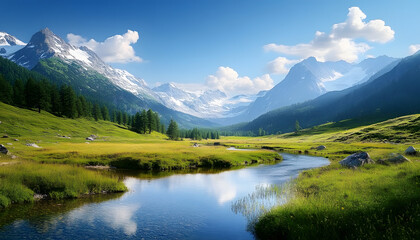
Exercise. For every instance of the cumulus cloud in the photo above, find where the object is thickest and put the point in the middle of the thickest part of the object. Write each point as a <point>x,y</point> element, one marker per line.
<point>281,65</point>
<point>414,48</point>
<point>115,49</point>
<point>228,80</point>
<point>340,43</point>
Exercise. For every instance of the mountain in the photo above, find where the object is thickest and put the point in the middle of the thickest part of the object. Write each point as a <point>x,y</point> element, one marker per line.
<point>208,104</point>
<point>9,44</point>
<point>309,79</point>
<point>45,44</point>
<point>62,63</point>
<point>392,93</point>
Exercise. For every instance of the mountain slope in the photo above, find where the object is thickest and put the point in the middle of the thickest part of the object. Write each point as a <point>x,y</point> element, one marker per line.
<point>392,94</point>
<point>309,79</point>
<point>45,44</point>
<point>62,63</point>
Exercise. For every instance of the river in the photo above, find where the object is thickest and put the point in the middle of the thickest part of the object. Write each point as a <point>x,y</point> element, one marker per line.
<point>179,206</point>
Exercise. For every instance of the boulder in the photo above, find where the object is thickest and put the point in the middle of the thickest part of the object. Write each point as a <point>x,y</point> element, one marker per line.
<point>5,136</point>
<point>397,158</point>
<point>93,136</point>
<point>16,140</point>
<point>356,160</point>
<point>410,151</point>
<point>321,147</point>
<point>90,139</point>
<point>3,149</point>
<point>32,145</point>
<point>9,144</point>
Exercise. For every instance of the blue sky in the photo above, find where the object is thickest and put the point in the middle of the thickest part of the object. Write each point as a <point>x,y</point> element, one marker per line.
<point>186,41</point>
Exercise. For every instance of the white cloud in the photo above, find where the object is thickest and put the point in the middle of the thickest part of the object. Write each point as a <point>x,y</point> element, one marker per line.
<point>116,49</point>
<point>354,27</point>
<point>340,43</point>
<point>414,48</point>
<point>281,65</point>
<point>227,80</point>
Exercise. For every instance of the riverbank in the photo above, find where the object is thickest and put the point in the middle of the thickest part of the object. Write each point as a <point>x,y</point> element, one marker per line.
<point>371,202</point>
<point>47,155</point>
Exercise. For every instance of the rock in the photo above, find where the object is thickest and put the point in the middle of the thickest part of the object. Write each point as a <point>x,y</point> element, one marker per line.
<point>32,145</point>
<point>93,136</point>
<point>356,160</point>
<point>196,145</point>
<point>3,149</point>
<point>5,136</point>
<point>321,147</point>
<point>9,144</point>
<point>410,151</point>
<point>87,142</point>
<point>90,139</point>
<point>16,140</point>
<point>397,158</point>
<point>13,157</point>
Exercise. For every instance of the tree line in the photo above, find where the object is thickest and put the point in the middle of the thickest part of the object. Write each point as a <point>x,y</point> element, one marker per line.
<point>64,102</point>
<point>198,134</point>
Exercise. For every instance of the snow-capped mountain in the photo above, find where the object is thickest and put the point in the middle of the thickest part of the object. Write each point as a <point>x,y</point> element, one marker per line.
<point>207,104</point>
<point>309,79</point>
<point>45,44</point>
<point>9,44</point>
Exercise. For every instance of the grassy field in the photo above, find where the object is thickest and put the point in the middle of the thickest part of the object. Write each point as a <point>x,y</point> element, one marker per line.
<point>56,168</point>
<point>334,202</point>
<point>373,201</point>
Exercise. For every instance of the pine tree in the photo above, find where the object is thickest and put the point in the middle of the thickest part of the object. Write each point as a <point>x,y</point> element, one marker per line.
<point>144,121</point>
<point>297,126</point>
<point>6,91</point>
<point>157,122</point>
<point>18,93</point>
<point>137,123</point>
<point>56,107</point>
<point>31,93</point>
<point>68,101</point>
<point>151,121</point>
<point>97,114</point>
<point>105,113</point>
<point>173,131</point>
<point>119,117</point>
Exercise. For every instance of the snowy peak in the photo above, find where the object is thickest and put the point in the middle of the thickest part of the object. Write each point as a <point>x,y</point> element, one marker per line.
<point>9,44</point>
<point>9,40</point>
<point>46,44</point>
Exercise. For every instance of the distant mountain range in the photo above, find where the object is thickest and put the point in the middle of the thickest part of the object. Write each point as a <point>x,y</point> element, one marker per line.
<point>207,104</point>
<point>309,89</point>
<point>391,92</point>
<point>310,79</point>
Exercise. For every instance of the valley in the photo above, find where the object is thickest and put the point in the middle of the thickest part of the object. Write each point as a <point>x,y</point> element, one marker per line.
<point>210,120</point>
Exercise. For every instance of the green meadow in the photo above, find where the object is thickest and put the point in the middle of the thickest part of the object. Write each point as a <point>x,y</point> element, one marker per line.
<point>370,202</point>
<point>57,168</point>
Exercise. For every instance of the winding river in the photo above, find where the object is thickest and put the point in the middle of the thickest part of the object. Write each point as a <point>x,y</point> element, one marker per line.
<point>179,206</point>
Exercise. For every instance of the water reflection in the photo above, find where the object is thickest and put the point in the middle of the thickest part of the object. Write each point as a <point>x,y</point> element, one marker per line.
<point>202,205</point>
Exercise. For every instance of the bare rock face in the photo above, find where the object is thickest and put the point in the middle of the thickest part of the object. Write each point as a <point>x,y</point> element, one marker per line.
<point>410,151</point>
<point>3,149</point>
<point>356,160</point>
